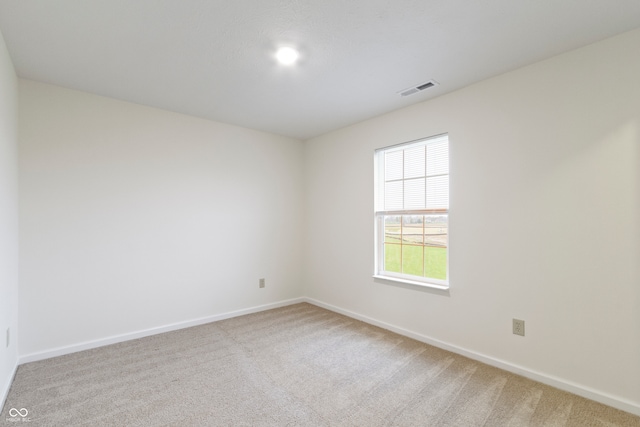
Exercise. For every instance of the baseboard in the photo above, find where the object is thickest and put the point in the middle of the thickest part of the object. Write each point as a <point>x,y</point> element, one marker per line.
<point>552,381</point>
<point>6,388</point>
<point>559,383</point>
<point>87,345</point>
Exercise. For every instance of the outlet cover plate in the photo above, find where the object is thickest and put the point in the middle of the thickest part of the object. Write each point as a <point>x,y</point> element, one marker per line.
<point>518,327</point>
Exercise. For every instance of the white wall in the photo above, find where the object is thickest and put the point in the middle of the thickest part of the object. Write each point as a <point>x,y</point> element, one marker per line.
<point>8,219</point>
<point>545,220</point>
<point>133,218</point>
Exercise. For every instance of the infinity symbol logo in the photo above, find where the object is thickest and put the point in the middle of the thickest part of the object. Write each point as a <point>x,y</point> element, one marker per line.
<point>13,412</point>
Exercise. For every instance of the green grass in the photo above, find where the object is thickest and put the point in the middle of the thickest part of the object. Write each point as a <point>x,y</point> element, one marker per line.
<point>413,257</point>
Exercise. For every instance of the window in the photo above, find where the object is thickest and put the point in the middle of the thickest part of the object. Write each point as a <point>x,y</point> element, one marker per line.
<point>412,212</point>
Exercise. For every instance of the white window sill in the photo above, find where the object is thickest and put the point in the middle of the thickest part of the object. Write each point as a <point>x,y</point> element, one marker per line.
<point>412,282</point>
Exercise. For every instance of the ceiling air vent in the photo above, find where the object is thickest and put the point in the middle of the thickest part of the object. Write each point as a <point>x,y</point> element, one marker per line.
<point>416,89</point>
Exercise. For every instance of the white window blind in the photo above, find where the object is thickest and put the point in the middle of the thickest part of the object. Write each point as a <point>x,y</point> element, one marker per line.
<point>415,176</point>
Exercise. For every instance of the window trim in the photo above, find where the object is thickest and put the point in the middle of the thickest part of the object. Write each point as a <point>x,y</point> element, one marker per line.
<point>379,215</point>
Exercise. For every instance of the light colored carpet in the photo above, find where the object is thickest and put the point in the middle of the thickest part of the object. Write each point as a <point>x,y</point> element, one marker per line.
<point>295,366</point>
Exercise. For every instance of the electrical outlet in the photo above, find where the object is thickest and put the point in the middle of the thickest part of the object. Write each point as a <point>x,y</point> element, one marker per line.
<point>8,329</point>
<point>262,283</point>
<point>518,327</point>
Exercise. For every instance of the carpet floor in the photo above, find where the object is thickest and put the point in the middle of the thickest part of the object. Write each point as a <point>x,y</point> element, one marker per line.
<point>298,365</point>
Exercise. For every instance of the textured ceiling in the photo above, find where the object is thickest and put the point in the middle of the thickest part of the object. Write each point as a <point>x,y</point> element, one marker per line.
<point>214,58</point>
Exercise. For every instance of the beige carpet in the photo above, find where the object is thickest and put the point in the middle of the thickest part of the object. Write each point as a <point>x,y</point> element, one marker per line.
<point>294,366</point>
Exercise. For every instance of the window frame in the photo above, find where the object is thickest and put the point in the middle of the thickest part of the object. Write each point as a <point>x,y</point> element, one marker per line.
<point>380,214</point>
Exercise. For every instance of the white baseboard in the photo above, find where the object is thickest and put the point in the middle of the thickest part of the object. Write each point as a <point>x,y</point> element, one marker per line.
<point>7,387</point>
<point>559,383</point>
<point>562,384</point>
<point>87,345</point>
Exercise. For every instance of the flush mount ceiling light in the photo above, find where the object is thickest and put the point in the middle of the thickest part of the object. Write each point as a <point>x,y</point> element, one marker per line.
<point>287,55</point>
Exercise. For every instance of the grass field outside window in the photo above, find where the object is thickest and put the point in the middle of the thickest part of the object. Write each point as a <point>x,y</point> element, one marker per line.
<point>416,245</point>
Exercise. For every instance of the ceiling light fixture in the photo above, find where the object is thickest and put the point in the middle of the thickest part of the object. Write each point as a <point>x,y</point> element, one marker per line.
<point>287,55</point>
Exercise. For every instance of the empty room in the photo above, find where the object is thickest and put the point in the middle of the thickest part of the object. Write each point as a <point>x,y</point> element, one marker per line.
<point>320,213</point>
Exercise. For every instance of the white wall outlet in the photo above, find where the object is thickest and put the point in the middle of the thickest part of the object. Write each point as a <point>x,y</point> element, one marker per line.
<point>518,327</point>
<point>262,283</point>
